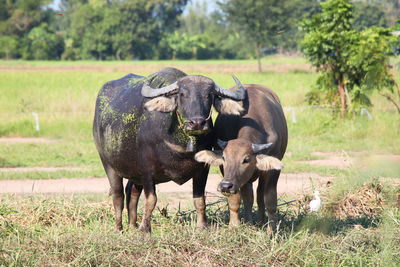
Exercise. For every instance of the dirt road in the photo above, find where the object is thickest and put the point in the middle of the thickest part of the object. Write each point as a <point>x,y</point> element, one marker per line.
<point>288,183</point>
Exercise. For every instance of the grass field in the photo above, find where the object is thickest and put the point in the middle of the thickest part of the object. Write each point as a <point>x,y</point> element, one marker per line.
<point>78,229</point>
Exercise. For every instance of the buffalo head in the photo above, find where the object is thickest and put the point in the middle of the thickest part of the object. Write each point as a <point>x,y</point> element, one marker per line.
<point>240,158</point>
<point>192,97</point>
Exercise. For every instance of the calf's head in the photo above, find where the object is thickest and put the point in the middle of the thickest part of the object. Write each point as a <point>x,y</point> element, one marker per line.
<point>240,158</point>
<point>192,98</point>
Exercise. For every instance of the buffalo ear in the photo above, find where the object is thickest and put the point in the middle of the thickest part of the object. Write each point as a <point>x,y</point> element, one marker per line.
<point>228,106</point>
<point>209,157</point>
<point>266,163</point>
<point>161,103</point>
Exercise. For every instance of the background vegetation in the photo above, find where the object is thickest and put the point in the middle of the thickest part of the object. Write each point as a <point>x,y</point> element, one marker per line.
<point>152,29</point>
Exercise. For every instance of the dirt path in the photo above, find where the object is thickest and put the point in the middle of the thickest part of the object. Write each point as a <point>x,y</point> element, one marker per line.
<point>289,183</point>
<point>143,68</point>
<point>26,140</point>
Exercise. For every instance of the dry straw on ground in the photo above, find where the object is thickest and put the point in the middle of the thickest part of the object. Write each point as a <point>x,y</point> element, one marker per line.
<point>366,201</point>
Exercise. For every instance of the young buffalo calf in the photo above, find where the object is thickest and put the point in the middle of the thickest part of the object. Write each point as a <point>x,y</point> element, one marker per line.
<point>257,143</point>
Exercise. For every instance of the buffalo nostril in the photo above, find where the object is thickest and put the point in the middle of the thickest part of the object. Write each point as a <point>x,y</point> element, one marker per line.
<point>225,186</point>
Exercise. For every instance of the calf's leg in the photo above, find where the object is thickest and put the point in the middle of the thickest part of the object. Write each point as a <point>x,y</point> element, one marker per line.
<point>270,197</point>
<point>246,193</point>
<point>260,198</point>
<point>234,204</point>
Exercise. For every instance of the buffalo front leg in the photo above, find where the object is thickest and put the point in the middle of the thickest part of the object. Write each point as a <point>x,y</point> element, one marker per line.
<point>234,204</point>
<point>270,198</point>
<point>260,198</point>
<point>117,192</point>
<point>150,200</point>
<point>132,198</point>
<point>246,193</point>
<point>199,200</point>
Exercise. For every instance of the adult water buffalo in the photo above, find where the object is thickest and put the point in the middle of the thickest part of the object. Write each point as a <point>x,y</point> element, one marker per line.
<point>148,129</point>
<point>252,145</point>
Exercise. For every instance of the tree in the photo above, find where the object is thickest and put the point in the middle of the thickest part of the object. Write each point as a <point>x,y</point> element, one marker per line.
<point>8,46</point>
<point>368,14</point>
<point>260,20</point>
<point>103,29</point>
<point>353,63</point>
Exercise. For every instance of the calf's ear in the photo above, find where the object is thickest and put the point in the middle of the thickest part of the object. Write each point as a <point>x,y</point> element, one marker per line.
<point>209,157</point>
<point>161,103</point>
<point>228,106</point>
<point>266,163</point>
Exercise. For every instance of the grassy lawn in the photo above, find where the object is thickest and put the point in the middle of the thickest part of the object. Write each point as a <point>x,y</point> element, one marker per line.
<point>64,95</point>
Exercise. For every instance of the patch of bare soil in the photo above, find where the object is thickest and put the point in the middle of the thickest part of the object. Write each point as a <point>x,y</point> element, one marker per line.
<point>143,68</point>
<point>26,140</point>
<point>332,159</point>
<point>289,183</point>
<point>344,159</point>
<point>47,169</point>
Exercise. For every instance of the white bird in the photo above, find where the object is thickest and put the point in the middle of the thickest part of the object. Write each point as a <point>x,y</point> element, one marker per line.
<point>315,204</point>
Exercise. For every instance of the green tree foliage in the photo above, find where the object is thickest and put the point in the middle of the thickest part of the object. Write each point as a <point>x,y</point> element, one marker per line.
<point>368,14</point>
<point>44,43</point>
<point>260,20</point>
<point>114,30</point>
<point>8,47</point>
<point>352,63</point>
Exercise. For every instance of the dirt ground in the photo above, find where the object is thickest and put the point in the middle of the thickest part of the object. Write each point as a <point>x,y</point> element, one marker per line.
<point>289,183</point>
<point>143,68</point>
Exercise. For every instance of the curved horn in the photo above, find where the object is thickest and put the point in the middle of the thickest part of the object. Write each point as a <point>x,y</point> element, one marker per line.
<point>237,95</point>
<point>222,144</point>
<point>147,91</point>
<point>260,147</point>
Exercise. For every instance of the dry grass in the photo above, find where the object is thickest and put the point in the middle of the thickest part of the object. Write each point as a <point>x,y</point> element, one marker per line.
<point>78,230</point>
<point>365,201</point>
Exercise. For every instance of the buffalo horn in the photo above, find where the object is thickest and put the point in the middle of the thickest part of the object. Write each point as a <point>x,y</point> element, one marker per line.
<point>260,147</point>
<point>237,95</point>
<point>222,144</point>
<point>147,91</point>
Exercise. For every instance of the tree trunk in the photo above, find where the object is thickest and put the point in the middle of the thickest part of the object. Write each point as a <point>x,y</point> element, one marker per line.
<point>342,97</point>
<point>258,48</point>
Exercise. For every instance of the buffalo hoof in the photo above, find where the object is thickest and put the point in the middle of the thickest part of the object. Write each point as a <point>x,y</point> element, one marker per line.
<point>201,228</point>
<point>145,228</point>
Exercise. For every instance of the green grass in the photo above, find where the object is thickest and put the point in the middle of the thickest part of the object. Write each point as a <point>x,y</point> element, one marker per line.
<point>65,98</point>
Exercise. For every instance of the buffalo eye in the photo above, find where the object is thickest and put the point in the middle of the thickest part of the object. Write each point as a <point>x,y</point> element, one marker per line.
<point>246,160</point>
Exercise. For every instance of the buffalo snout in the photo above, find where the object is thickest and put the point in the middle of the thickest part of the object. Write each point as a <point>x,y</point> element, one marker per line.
<point>196,124</point>
<point>227,188</point>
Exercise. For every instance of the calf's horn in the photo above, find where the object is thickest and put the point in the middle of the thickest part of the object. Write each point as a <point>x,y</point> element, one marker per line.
<point>260,147</point>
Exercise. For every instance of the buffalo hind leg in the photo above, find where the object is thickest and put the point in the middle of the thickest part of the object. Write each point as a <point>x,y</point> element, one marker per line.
<point>246,193</point>
<point>199,200</point>
<point>117,192</point>
<point>270,198</point>
<point>150,200</point>
<point>132,198</point>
